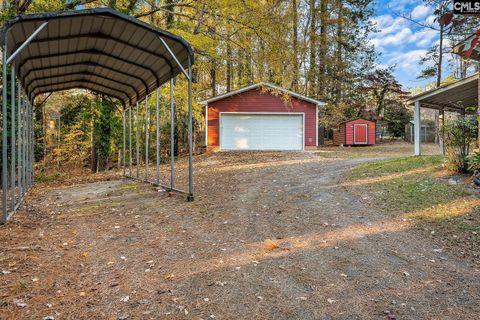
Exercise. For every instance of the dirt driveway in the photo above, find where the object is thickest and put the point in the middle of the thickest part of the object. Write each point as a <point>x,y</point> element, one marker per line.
<point>119,250</point>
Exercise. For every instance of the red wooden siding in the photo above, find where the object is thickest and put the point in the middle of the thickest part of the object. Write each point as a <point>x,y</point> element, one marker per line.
<point>339,135</point>
<point>257,101</point>
<point>349,131</point>
<point>345,132</point>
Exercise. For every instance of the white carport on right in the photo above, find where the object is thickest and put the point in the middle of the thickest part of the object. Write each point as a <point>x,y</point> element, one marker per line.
<point>460,97</point>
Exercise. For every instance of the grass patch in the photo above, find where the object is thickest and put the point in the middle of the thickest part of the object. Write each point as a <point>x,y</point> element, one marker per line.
<point>408,188</point>
<point>129,186</point>
<point>342,154</point>
<point>391,166</point>
<point>47,178</point>
<point>404,185</point>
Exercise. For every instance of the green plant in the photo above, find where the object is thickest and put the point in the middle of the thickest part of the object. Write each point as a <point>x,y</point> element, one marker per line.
<point>397,117</point>
<point>458,136</point>
<point>474,163</point>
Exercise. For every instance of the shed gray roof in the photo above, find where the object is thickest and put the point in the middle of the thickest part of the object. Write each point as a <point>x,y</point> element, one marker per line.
<point>97,49</point>
<point>267,85</point>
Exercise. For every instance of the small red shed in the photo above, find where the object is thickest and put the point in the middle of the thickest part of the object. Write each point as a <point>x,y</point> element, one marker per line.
<point>355,132</point>
<point>262,116</point>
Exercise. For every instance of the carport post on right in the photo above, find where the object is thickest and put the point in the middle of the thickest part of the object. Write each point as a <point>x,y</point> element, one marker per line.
<point>417,128</point>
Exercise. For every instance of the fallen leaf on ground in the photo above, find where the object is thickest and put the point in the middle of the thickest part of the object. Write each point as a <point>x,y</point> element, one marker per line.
<point>169,276</point>
<point>270,245</point>
<point>19,303</point>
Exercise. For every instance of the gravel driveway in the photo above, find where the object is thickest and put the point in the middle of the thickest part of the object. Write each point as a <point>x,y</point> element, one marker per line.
<point>270,236</point>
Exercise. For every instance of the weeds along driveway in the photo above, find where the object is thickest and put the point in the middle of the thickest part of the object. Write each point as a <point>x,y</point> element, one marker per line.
<point>270,236</point>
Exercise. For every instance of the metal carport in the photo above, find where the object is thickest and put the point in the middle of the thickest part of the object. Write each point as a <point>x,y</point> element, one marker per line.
<point>460,96</point>
<point>101,50</point>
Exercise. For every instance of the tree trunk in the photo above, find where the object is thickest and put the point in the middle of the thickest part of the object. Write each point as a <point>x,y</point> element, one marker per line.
<point>152,16</point>
<point>313,44</point>
<point>439,82</point>
<point>338,54</point>
<point>213,77</point>
<point>94,160</point>
<point>322,50</point>
<point>295,45</point>
<point>440,58</point>
<point>169,15</point>
<point>229,66</point>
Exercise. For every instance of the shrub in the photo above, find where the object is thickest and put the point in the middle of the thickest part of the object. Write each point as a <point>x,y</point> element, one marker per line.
<point>458,136</point>
<point>474,163</point>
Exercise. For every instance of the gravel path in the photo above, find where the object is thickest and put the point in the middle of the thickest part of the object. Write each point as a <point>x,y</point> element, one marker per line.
<point>118,250</point>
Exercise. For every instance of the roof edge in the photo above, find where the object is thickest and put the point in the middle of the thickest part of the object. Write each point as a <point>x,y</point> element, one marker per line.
<point>262,84</point>
<point>431,92</point>
<point>45,16</point>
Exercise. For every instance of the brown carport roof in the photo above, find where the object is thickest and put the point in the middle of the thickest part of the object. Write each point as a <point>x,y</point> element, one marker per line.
<point>460,96</point>
<point>97,49</point>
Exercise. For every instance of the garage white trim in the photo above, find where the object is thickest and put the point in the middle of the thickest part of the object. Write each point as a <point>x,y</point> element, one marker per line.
<point>284,124</point>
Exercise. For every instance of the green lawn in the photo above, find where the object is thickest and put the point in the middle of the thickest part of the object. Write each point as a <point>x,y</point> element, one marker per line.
<point>413,188</point>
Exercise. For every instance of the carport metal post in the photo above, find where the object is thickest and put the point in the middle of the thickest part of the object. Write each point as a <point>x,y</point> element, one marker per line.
<point>19,141</point>
<point>190,133</point>
<point>137,145</point>
<point>27,152</point>
<point>147,127</point>
<point>172,135</point>
<point>442,142</point>
<point>4,133</point>
<point>124,143</point>
<point>417,129</point>
<point>12,140</point>
<point>27,146</point>
<point>189,77</point>
<point>157,136</point>
<point>24,146</point>
<point>32,144</point>
<point>130,139</point>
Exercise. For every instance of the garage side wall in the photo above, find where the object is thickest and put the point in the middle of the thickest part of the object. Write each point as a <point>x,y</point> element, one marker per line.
<point>257,101</point>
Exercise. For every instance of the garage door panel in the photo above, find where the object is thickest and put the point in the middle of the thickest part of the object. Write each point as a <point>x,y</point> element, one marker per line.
<point>261,132</point>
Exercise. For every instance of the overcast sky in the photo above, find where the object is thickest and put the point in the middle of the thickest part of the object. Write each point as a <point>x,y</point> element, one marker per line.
<point>402,42</point>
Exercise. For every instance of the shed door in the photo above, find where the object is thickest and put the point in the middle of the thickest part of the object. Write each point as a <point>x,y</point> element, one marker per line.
<point>239,131</point>
<point>360,134</point>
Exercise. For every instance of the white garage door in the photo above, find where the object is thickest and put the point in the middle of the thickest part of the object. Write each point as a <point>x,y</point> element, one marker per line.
<point>239,131</point>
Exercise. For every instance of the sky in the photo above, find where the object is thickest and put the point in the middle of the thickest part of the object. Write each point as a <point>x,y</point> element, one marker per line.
<point>401,42</point>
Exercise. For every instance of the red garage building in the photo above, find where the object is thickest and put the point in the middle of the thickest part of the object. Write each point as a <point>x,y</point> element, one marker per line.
<point>261,117</point>
<point>355,132</point>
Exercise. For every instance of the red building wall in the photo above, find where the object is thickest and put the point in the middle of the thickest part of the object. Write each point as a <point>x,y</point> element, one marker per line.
<point>257,101</point>
<point>339,135</point>
<point>349,131</point>
<point>344,134</point>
